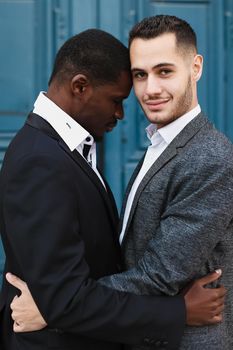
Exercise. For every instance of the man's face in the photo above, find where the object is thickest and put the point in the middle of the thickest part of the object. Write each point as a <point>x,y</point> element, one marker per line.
<point>104,107</point>
<point>164,78</point>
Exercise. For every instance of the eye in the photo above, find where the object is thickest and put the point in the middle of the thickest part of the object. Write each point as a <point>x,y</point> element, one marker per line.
<point>165,72</point>
<point>139,75</point>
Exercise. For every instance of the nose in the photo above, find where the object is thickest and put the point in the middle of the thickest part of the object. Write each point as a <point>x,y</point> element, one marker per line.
<point>119,113</point>
<point>153,86</point>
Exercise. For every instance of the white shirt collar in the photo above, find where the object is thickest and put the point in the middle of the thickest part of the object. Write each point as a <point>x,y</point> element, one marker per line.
<point>72,133</point>
<point>171,130</point>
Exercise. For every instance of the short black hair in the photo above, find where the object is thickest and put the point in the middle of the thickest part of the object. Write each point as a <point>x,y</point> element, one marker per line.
<point>152,27</point>
<point>93,52</point>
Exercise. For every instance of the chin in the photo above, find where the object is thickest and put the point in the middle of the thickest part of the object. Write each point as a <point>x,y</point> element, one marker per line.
<point>159,118</point>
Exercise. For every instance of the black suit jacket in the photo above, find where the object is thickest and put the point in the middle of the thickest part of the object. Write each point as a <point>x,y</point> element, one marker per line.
<point>58,227</point>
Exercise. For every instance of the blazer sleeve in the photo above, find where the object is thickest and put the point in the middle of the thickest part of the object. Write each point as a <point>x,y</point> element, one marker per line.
<point>196,221</point>
<point>43,230</point>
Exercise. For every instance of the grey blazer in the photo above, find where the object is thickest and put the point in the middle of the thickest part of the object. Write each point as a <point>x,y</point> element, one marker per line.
<point>181,226</point>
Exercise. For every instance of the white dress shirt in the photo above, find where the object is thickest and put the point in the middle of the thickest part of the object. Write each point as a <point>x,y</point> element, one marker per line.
<point>160,139</point>
<point>72,133</point>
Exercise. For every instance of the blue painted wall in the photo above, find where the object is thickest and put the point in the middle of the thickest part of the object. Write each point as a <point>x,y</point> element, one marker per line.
<point>31,32</point>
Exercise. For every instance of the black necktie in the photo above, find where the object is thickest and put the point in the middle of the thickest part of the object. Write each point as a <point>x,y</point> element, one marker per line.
<point>86,149</point>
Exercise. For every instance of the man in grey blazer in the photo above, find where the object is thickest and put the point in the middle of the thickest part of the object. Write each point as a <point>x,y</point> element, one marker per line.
<point>177,220</point>
<point>177,215</point>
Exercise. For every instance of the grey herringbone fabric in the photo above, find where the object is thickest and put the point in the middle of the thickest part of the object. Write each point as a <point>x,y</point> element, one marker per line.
<point>181,226</point>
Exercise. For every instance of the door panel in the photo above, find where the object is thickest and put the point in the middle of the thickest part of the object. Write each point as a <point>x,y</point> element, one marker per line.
<point>16,74</point>
<point>17,52</point>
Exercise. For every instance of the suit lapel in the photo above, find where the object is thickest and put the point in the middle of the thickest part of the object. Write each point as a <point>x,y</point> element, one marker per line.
<point>94,178</point>
<point>41,124</point>
<point>169,153</point>
<point>127,192</point>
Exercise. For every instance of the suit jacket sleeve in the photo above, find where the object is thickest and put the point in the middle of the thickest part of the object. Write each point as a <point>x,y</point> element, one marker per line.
<point>197,216</point>
<point>44,235</point>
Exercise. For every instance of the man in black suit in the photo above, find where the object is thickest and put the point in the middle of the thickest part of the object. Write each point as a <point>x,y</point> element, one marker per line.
<point>58,219</point>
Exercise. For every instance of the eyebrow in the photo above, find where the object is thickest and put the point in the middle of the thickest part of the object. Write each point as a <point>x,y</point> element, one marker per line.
<point>160,65</point>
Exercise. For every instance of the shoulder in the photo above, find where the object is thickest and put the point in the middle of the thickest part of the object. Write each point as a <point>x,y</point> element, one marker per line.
<point>209,147</point>
<point>33,145</point>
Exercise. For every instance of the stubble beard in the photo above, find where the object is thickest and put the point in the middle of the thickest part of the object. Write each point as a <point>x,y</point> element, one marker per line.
<point>184,102</point>
<point>182,106</point>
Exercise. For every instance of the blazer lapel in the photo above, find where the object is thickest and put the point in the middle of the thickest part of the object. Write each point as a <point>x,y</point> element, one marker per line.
<point>94,178</point>
<point>41,124</point>
<point>128,189</point>
<point>168,154</point>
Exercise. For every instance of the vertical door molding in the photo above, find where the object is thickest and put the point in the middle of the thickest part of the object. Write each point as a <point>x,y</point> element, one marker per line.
<point>53,21</point>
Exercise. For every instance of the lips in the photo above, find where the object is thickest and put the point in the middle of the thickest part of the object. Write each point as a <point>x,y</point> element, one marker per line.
<point>156,104</point>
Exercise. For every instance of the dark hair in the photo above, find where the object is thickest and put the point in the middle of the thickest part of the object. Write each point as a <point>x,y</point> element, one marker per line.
<point>93,52</point>
<point>152,27</point>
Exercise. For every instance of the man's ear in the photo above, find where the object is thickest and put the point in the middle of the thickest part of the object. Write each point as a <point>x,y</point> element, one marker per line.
<point>80,84</point>
<point>197,67</point>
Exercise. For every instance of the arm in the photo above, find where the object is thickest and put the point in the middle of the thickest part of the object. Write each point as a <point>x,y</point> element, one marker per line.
<point>43,232</point>
<point>203,306</point>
